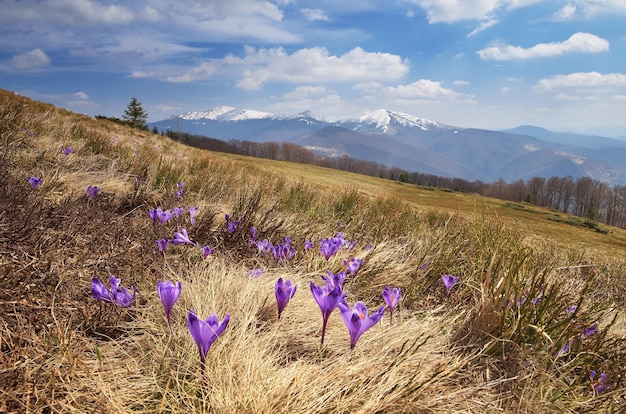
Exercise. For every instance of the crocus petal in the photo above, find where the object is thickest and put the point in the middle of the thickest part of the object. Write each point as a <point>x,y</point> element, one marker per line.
<point>168,293</point>
<point>99,291</point>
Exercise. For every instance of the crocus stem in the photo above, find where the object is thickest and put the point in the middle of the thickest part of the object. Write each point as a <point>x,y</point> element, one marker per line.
<point>324,329</point>
<point>202,371</point>
<point>390,317</point>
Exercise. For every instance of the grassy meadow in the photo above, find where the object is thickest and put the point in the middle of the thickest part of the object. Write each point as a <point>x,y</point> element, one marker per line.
<point>535,323</point>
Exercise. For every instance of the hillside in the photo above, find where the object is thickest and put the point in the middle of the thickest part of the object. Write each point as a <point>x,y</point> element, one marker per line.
<point>534,322</point>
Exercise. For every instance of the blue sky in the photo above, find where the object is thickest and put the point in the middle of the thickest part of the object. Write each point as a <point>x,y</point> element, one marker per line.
<point>471,63</point>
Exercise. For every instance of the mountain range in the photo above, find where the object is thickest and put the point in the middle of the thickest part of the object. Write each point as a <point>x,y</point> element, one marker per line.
<point>419,145</point>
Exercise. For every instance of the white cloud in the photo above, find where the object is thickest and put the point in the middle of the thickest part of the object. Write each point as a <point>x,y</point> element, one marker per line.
<point>203,71</point>
<point>582,80</point>
<point>316,65</point>
<point>302,92</point>
<point>578,42</point>
<point>566,12</point>
<point>505,89</point>
<point>30,60</point>
<point>595,7</point>
<point>81,95</point>
<point>451,11</point>
<point>483,26</point>
<point>460,82</point>
<point>64,13</point>
<point>314,14</point>
<point>421,90</point>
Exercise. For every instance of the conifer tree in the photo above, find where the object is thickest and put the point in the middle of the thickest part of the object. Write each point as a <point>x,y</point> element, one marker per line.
<point>134,115</point>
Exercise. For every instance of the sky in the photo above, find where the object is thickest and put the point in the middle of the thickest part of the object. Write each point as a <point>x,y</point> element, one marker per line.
<point>491,64</point>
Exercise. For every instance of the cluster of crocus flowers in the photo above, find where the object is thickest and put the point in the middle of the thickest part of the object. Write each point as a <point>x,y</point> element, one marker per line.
<point>392,298</point>
<point>118,294</point>
<point>92,191</point>
<point>169,293</point>
<point>283,250</point>
<point>34,182</point>
<point>231,224</point>
<point>205,332</point>
<point>284,291</point>
<point>449,281</point>
<point>330,246</point>
<point>599,383</point>
<point>159,216</point>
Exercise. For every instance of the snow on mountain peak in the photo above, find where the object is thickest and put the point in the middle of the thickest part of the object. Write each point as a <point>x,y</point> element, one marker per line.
<point>226,113</point>
<point>385,121</point>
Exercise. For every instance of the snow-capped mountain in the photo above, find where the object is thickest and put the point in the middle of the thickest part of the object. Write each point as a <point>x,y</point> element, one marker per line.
<point>416,144</point>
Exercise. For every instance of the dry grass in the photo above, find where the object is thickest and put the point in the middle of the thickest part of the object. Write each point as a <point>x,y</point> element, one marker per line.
<point>491,345</point>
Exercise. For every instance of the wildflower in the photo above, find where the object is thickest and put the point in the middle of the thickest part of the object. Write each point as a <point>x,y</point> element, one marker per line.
<point>392,297</point>
<point>67,150</point>
<point>571,309</point>
<point>165,216</point>
<point>193,212</point>
<point>354,264</point>
<point>357,320</point>
<point>255,272</point>
<point>252,234</point>
<point>330,247</point>
<point>264,246</point>
<point>118,293</point>
<point>169,293</point>
<point>308,245</point>
<point>565,349</point>
<point>181,237</point>
<point>92,191</point>
<point>205,332</point>
<point>590,330</point>
<point>334,279</point>
<point>158,216</point>
<point>327,299</point>
<point>283,250</point>
<point>162,245</point>
<point>368,247</point>
<point>284,292</point>
<point>599,385</point>
<point>35,182</point>
<point>449,281</point>
<point>177,211</point>
<point>206,251</point>
<point>179,190</point>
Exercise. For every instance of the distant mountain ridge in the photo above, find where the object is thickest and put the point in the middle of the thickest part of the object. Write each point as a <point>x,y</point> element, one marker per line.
<point>417,144</point>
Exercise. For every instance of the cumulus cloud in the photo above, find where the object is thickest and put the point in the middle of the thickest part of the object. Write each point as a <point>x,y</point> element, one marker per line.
<point>302,92</point>
<point>30,60</point>
<point>596,7</point>
<point>582,80</point>
<point>566,12</point>
<point>578,42</point>
<point>421,89</point>
<point>316,65</point>
<point>314,14</point>
<point>203,71</point>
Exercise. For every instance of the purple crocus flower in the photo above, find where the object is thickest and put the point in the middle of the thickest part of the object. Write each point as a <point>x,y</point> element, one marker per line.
<point>253,232</point>
<point>334,279</point>
<point>206,251</point>
<point>357,320</point>
<point>181,237</point>
<point>177,211</point>
<point>92,191</point>
<point>257,272</point>
<point>264,246</point>
<point>354,264</point>
<point>330,247</point>
<point>162,245</point>
<point>179,190</point>
<point>590,330</point>
<point>193,212</point>
<point>34,182</point>
<point>169,293</point>
<point>392,297</point>
<point>327,299</point>
<point>599,385</point>
<point>118,293</point>
<point>284,292</point>
<point>449,281</point>
<point>308,244</point>
<point>99,291</point>
<point>164,216</point>
<point>67,150</point>
<point>205,332</point>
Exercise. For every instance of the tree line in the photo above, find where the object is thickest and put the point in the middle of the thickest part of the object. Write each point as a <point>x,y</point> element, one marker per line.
<point>582,196</point>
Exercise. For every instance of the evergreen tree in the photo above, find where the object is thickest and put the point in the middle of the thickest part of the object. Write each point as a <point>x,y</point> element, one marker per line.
<point>134,115</point>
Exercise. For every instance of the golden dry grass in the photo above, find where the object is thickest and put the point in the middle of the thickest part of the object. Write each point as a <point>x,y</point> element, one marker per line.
<point>483,348</point>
